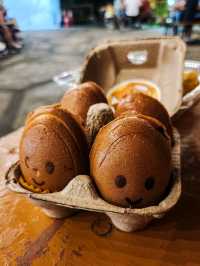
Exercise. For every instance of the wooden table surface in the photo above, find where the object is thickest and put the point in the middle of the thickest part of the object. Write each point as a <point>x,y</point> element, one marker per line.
<point>28,237</point>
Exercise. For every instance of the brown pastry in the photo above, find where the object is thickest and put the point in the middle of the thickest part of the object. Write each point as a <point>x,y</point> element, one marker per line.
<point>78,100</point>
<point>190,81</point>
<point>130,161</point>
<point>53,149</point>
<point>146,105</point>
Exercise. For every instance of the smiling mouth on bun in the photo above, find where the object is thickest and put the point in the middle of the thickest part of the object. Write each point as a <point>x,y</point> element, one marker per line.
<point>133,203</point>
<point>31,187</point>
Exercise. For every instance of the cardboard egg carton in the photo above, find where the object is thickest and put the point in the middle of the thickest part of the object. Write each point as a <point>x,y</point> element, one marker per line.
<point>80,193</point>
<point>159,60</point>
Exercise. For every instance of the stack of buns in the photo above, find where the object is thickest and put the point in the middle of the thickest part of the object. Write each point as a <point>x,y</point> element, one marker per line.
<point>53,147</point>
<point>130,158</point>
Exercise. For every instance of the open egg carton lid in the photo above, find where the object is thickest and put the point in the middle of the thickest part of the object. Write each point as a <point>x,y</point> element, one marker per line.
<point>160,60</point>
<point>71,79</point>
<point>113,62</point>
<point>80,193</point>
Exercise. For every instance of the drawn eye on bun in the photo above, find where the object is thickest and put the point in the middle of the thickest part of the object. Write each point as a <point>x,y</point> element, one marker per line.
<point>149,183</point>
<point>120,181</point>
<point>49,166</point>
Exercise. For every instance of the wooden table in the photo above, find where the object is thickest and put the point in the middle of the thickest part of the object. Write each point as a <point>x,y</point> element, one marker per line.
<point>28,237</point>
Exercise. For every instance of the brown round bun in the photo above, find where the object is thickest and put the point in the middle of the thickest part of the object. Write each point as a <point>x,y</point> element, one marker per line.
<point>146,105</point>
<point>53,149</point>
<point>78,100</point>
<point>130,161</point>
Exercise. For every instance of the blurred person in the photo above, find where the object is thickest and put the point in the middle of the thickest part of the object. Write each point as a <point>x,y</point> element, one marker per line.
<point>119,9</point>
<point>101,15</point>
<point>66,18</point>
<point>145,12</point>
<point>132,10</point>
<point>6,32</point>
<point>177,14</point>
<point>109,16</point>
<point>109,11</point>
<point>63,13</point>
<point>191,9</point>
<point>185,11</point>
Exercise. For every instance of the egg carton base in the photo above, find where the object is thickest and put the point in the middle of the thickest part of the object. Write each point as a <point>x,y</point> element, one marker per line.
<point>80,194</point>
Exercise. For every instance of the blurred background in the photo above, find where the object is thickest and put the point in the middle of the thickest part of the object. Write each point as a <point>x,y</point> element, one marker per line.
<point>41,39</point>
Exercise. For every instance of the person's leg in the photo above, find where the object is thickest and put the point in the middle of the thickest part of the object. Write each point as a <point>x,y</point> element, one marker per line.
<point>124,19</point>
<point>116,23</point>
<point>176,20</point>
<point>187,31</point>
<point>7,35</point>
<point>132,21</point>
<point>136,22</point>
<point>129,21</point>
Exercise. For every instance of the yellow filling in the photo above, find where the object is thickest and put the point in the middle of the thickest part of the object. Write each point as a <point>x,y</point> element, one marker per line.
<point>31,187</point>
<point>190,80</point>
<point>130,88</point>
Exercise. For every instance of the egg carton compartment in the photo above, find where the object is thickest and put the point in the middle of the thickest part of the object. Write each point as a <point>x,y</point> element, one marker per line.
<point>80,194</point>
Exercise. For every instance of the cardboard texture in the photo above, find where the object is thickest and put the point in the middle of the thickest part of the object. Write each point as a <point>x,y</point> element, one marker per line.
<point>80,193</point>
<point>160,60</point>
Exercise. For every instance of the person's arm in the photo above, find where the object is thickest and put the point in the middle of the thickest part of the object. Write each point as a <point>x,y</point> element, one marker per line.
<point>123,4</point>
<point>140,3</point>
<point>180,5</point>
<point>2,21</point>
<point>11,22</point>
